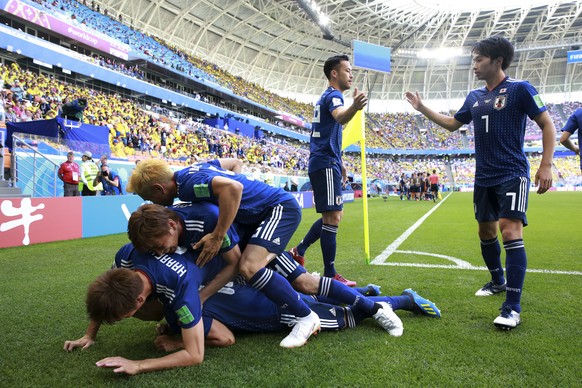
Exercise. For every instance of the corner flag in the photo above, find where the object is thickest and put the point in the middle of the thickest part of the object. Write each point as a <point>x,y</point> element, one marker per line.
<point>354,132</point>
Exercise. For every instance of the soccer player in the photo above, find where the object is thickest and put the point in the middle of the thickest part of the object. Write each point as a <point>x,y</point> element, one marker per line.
<point>326,170</point>
<point>498,111</point>
<point>121,293</point>
<point>272,213</point>
<point>244,309</point>
<point>155,228</point>
<point>572,125</point>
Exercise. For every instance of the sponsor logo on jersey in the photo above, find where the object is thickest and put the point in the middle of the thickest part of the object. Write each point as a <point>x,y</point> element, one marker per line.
<point>476,104</point>
<point>487,101</point>
<point>339,200</point>
<point>332,311</point>
<point>277,241</point>
<point>500,102</point>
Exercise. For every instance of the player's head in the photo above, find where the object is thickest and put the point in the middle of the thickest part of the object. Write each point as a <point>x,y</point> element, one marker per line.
<point>154,228</point>
<point>496,48</point>
<point>114,295</point>
<point>153,180</point>
<point>338,71</point>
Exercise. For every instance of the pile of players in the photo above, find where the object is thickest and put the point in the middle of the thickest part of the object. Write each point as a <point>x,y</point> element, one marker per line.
<point>215,263</point>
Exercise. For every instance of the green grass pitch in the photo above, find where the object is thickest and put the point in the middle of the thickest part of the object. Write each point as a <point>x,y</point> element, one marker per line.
<point>42,290</point>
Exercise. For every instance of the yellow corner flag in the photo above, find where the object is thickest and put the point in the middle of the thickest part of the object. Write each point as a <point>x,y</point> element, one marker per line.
<point>354,130</point>
<point>353,133</point>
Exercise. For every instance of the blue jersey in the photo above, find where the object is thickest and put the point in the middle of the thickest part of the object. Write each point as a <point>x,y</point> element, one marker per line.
<point>325,142</point>
<point>108,188</point>
<point>243,308</point>
<point>175,281</point>
<point>195,184</point>
<point>573,124</point>
<point>199,219</point>
<point>499,118</point>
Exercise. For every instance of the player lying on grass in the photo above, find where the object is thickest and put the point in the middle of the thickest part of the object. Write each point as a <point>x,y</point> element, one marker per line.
<point>243,309</point>
<point>173,279</point>
<point>151,228</point>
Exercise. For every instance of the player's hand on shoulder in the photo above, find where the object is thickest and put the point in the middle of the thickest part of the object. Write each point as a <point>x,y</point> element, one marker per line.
<point>210,245</point>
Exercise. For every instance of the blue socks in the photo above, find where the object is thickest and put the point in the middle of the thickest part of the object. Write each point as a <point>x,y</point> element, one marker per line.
<point>344,294</point>
<point>311,237</point>
<point>516,264</point>
<point>491,252</point>
<point>328,247</point>
<point>279,290</point>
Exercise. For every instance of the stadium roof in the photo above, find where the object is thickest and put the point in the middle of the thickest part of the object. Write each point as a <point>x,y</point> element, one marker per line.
<point>275,44</point>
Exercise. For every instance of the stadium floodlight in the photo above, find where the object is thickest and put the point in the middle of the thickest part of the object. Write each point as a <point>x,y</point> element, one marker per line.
<point>317,16</point>
<point>441,53</point>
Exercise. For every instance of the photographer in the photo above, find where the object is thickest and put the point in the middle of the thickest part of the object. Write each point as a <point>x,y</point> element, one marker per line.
<point>110,180</point>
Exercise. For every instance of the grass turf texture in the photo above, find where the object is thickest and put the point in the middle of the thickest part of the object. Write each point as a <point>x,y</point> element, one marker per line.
<point>42,290</point>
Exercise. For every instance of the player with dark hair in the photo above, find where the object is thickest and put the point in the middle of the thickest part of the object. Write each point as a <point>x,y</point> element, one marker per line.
<point>326,170</point>
<point>499,111</point>
<point>573,124</point>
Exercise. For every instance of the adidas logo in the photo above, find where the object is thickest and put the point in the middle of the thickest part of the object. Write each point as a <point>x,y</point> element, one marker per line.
<point>476,104</point>
<point>487,101</point>
<point>277,241</point>
<point>332,311</point>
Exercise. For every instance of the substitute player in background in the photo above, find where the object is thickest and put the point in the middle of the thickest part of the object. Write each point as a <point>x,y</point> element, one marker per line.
<point>326,171</point>
<point>498,111</point>
<point>572,125</point>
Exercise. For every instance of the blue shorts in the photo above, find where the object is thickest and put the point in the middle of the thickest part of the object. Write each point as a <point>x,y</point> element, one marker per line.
<point>506,200</point>
<point>285,266</point>
<point>277,228</point>
<point>327,189</point>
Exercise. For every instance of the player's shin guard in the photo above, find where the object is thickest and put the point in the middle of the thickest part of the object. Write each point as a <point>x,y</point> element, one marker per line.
<point>491,252</point>
<point>516,264</point>
<point>311,237</point>
<point>328,248</point>
<point>279,290</point>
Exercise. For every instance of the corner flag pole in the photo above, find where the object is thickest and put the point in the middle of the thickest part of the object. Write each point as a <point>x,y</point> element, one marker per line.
<point>365,197</point>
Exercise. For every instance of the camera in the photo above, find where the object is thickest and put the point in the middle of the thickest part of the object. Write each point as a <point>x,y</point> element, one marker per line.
<point>104,173</point>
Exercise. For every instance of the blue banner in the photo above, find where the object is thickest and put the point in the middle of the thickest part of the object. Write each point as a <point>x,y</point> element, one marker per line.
<point>575,56</point>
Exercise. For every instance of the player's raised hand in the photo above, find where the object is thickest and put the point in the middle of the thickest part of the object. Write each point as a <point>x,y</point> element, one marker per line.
<point>360,99</point>
<point>414,99</point>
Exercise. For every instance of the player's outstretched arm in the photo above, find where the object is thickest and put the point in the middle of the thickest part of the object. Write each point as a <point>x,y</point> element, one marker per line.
<point>543,177</point>
<point>568,143</point>
<point>192,354</point>
<point>449,123</point>
<point>85,341</point>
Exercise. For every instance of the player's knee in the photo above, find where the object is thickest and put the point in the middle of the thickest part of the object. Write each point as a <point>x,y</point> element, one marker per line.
<point>247,267</point>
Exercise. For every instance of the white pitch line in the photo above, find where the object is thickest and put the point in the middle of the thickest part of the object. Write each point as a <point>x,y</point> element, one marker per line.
<point>473,268</point>
<point>381,258</point>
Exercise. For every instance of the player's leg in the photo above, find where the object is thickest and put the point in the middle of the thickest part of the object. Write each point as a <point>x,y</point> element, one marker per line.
<point>310,238</point>
<point>327,193</point>
<point>269,240</point>
<point>487,213</point>
<point>314,285</point>
<point>513,198</point>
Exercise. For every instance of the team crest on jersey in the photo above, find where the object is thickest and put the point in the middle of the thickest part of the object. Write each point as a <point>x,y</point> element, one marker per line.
<point>339,200</point>
<point>500,102</point>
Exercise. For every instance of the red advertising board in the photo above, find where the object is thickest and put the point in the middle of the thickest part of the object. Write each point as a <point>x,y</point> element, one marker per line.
<point>25,221</point>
